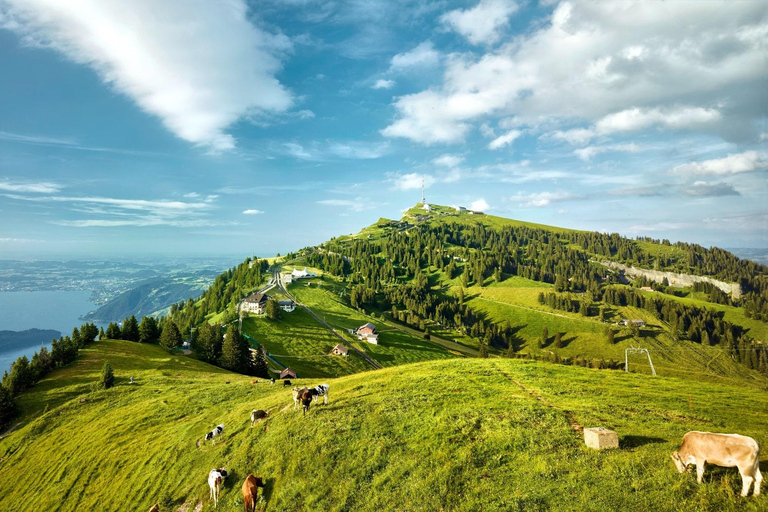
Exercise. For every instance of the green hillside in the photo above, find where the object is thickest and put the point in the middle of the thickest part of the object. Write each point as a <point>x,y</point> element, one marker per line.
<point>468,435</point>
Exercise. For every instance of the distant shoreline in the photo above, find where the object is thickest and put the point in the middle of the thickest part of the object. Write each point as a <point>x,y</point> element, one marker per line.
<point>19,340</point>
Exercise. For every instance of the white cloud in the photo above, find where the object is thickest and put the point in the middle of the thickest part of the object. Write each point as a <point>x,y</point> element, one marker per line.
<point>40,187</point>
<point>505,140</point>
<point>192,195</point>
<point>590,151</point>
<point>575,136</point>
<point>638,119</point>
<point>199,66</point>
<point>482,23</point>
<point>423,55</point>
<point>19,240</point>
<point>252,212</point>
<point>479,205</point>
<point>130,212</point>
<point>747,161</point>
<point>411,181</point>
<point>358,204</point>
<point>298,151</point>
<point>704,189</point>
<point>359,150</point>
<point>541,198</point>
<point>448,160</point>
<point>705,74</point>
<point>305,114</point>
<point>383,84</point>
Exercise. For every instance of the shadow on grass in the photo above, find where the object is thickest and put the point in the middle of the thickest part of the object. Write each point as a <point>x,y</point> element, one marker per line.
<point>636,441</point>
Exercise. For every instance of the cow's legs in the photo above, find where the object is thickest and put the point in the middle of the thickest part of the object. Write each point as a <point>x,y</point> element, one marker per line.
<point>326,398</point>
<point>700,469</point>
<point>758,479</point>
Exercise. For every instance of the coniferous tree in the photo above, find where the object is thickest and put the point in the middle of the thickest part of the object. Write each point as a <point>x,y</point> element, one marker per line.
<point>148,330</point>
<point>558,343</point>
<point>235,352</point>
<point>272,309</point>
<point>609,336</point>
<point>76,339</point>
<point>171,336</point>
<point>20,377</point>
<point>130,330</point>
<point>8,407</point>
<point>114,332</point>
<point>260,366</point>
<point>208,343</point>
<point>544,336</point>
<point>102,334</point>
<point>107,376</point>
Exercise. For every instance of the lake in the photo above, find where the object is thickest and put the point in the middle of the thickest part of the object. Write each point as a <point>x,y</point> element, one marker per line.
<point>58,310</point>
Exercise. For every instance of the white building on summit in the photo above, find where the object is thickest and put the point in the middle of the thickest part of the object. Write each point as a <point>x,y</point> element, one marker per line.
<point>302,274</point>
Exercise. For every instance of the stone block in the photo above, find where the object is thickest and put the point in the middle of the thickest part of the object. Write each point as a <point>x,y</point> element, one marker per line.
<point>601,438</point>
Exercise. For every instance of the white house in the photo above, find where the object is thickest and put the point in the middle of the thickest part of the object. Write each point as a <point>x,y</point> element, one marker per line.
<point>254,303</point>
<point>287,305</point>
<point>368,333</point>
<point>460,209</point>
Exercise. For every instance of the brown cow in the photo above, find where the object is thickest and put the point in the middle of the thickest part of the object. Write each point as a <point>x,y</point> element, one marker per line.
<point>155,508</point>
<point>250,490</point>
<point>726,450</point>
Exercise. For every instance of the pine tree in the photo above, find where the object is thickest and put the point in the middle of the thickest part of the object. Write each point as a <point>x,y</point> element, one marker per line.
<point>76,339</point>
<point>113,331</point>
<point>544,336</point>
<point>20,377</point>
<point>148,330</point>
<point>8,407</point>
<point>609,335</point>
<point>235,352</point>
<point>208,343</point>
<point>272,309</point>
<point>170,338</point>
<point>260,366</point>
<point>558,340</point>
<point>130,330</point>
<point>102,335</point>
<point>107,376</point>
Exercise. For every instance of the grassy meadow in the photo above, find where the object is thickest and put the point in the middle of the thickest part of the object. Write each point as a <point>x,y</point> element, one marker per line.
<point>454,435</point>
<point>395,346</point>
<point>298,341</point>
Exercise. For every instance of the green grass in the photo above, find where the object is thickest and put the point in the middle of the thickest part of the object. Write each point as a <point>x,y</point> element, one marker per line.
<point>454,435</point>
<point>395,347</point>
<point>298,341</point>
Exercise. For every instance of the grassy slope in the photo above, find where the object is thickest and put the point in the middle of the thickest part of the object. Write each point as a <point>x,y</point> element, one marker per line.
<point>298,341</point>
<point>394,348</point>
<point>443,435</point>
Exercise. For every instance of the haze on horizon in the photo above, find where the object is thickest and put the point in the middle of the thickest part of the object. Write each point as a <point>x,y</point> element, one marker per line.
<point>200,128</point>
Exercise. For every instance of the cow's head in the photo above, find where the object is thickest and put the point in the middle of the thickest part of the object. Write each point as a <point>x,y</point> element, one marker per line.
<point>223,472</point>
<point>681,466</point>
<point>259,482</point>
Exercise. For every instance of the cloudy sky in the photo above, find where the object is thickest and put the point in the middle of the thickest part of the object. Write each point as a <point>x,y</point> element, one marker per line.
<point>200,127</point>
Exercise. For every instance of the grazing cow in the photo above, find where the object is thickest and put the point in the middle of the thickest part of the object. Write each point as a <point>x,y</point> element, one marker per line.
<point>213,434</point>
<point>272,381</point>
<point>258,414</point>
<point>297,393</point>
<point>250,490</point>
<point>286,382</point>
<point>215,477</point>
<point>322,390</point>
<point>255,381</point>
<point>155,508</point>
<point>726,450</point>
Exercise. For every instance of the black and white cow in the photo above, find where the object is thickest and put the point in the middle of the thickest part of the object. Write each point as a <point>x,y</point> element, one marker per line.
<point>213,434</point>
<point>321,390</point>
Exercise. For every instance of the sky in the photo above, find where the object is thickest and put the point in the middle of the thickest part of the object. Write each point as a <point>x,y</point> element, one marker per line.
<point>198,127</point>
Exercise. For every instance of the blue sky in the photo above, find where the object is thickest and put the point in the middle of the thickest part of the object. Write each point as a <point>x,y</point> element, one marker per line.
<point>200,128</point>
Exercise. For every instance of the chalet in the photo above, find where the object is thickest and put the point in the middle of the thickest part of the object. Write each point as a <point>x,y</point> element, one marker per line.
<point>460,209</point>
<point>302,274</point>
<point>255,303</point>
<point>647,289</point>
<point>427,207</point>
<point>288,374</point>
<point>475,212</point>
<point>639,323</point>
<point>286,278</point>
<point>287,305</point>
<point>366,329</point>
<point>340,350</point>
<point>368,333</point>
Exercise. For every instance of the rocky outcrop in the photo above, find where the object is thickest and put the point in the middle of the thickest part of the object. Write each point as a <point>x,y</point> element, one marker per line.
<point>678,280</point>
